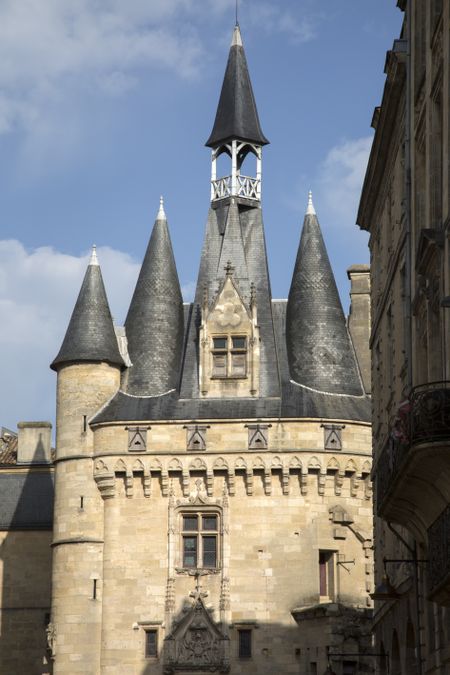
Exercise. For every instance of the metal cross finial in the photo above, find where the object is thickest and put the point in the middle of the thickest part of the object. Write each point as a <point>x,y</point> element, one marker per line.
<point>237,12</point>
<point>229,269</point>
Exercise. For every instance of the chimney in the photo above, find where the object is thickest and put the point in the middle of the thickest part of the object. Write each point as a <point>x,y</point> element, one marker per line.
<point>34,442</point>
<point>359,319</point>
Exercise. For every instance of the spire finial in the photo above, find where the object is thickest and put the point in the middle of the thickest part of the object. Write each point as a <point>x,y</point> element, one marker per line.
<point>310,211</point>
<point>94,259</point>
<point>237,12</point>
<point>161,215</point>
<point>236,40</point>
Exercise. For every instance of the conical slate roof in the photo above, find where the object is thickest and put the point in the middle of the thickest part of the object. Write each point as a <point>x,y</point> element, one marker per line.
<point>237,116</point>
<point>90,335</point>
<point>154,324</point>
<point>319,349</point>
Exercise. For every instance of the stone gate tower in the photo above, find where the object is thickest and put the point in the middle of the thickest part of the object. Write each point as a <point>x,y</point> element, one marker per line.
<point>213,496</point>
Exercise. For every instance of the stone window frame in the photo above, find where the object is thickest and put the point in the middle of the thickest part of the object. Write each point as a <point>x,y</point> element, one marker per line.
<point>327,572</point>
<point>154,652</point>
<point>200,534</point>
<point>151,627</point>
<point>228,351</point>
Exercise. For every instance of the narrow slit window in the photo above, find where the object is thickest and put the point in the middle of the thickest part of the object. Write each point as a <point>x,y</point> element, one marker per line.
<point>151,644</point>
<point>245,643</point>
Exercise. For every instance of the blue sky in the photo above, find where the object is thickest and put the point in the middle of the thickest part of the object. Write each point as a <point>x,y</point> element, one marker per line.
<point>106,105</point>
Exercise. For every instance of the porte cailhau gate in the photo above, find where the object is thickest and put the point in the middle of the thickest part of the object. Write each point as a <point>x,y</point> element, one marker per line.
<point>224,469</point>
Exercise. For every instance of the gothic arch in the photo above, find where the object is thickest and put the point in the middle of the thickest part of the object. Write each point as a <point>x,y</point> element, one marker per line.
<point>220,464</point>
<point>120,467</point>
<point>138,467</point>
<point>295,463</point>
<point>276,463</point>
<point>175,465</point>
<point>197,464</point>
<point>314,464</point>
<point>240,463</point>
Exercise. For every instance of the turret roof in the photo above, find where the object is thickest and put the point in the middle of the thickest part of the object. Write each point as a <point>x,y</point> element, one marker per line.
<point>319,348</point>
<point>90,335</point>
<point>154,324</point>
<point>236,116</point>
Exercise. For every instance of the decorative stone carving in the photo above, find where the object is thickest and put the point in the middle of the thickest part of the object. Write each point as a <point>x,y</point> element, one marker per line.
<point>196,644</point>
<point>332,434</point>
<point>106,484</point>
<point>258,436</point>
<point>137,439</point>
<point>198,495</point>
<point>196,436</point>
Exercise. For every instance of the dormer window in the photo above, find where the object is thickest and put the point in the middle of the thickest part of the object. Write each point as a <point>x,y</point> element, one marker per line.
<point>229,356</point>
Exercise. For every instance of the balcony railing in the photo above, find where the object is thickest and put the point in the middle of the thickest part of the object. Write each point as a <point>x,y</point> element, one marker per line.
<point>388,467</point>
<point>439,553</point>
<point>430,412</point>
<point>246,187</point>
<point>423,418</point>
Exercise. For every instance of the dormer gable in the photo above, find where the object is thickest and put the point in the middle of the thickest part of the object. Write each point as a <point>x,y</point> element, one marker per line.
<point>229,343</point>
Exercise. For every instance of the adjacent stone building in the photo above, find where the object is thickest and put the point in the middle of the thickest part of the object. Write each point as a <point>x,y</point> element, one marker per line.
<point>405,207</point>
<point>212,506</point>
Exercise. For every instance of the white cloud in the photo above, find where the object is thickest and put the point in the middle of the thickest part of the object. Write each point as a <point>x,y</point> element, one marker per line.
<point>38,290</point>
<point>341,176</point>
<point>299,26</point>
<point>46,46</point>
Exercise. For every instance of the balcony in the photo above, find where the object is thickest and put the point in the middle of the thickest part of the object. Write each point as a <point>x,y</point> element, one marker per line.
<point>439,559</point>
<point>430,413</point>
<point>412,475</point>
<point>246,187</point>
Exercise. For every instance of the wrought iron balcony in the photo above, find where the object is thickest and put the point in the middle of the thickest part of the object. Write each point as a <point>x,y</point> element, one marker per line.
<point>439,558</point>
<point>388,467</point>
<point>430,413</point>
<point>246,187</point>
<point>421,420</point>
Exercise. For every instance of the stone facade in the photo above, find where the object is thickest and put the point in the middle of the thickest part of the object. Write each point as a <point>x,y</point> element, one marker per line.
<point>405,207</point>
<point>213,498</point>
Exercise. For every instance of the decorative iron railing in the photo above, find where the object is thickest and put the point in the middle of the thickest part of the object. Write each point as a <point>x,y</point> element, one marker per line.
<point>423,418</point>
<point>439,550</point>
<point>388,467</point>
<point>246,187</point>
<point>430,412</point>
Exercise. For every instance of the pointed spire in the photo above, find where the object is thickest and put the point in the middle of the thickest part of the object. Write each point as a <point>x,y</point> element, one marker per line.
<point>319,350</point>
<point>154,324</point>
<point>236,116</point>
<point>161,215</point>
<point>90,336</point>
<point>310,210</point>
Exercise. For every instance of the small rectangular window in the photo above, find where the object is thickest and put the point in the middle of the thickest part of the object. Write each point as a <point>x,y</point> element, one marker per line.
<point>220,343</point>
<point>245,643</point>
<point>189,551</point>
<point>190,523</point>
<point>239,342</point>
<point>326,574</point>
<point>349,668</point>
<point>238,364</point>
<point>209,551</point>
<point>151,643</point>
<point>209,522</point>
<point>219,365</point>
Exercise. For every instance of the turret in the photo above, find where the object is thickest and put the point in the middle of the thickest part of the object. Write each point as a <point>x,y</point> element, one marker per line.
<point>154,324</point>
<point>320,352</point>
<point>236,131</point>
<point>88,366</point>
